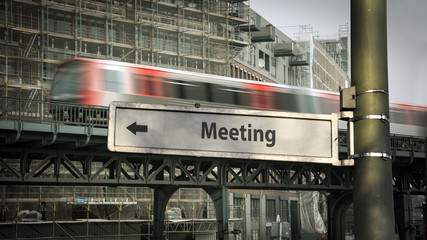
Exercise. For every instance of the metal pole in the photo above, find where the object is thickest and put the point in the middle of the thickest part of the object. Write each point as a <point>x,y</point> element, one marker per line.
<point>373,192</point>
<point>120,211</point>
<point>87,221</point>
<point>425,199</point>
<point>53,222</point>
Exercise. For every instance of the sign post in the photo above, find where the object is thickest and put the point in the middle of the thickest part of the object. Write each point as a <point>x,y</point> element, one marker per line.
<point>223,133</point>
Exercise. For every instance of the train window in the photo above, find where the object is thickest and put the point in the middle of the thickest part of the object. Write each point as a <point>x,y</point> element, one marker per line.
<point>189,90</point>
<point>196,91</point>
<point>224,94</point>
<point>67,78</point>
<point>290,102</point>
<point>114,81</point>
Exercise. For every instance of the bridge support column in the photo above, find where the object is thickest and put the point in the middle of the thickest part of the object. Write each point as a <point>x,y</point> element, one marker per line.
<point>161,199</point>
<point>338,204</point>
<point>402,210</point>
<point>219,197</point>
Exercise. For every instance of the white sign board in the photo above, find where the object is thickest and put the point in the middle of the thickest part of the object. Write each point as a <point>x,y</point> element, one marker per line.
<point>223,133</point>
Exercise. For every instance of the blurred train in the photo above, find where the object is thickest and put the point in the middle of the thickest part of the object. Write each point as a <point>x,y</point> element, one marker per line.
<point>99,82</point>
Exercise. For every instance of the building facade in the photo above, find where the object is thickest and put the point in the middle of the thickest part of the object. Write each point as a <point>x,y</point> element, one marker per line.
<point>221,37</point>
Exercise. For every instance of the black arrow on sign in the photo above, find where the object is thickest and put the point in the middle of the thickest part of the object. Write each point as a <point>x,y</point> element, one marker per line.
<point>137,128</point>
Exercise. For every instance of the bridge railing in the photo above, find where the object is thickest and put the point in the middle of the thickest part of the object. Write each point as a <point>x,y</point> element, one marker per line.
<point>32,110</point>
<point>405,143</point>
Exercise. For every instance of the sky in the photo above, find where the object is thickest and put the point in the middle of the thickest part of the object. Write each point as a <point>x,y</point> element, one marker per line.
<point>406,36</point>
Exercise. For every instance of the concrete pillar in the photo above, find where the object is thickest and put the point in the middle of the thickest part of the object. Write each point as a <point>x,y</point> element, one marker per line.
<point>219,197</point>
<point>162,194</point>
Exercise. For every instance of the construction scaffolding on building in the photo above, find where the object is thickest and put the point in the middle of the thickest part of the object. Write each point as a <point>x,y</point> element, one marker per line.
<point>321,63</point>
<point>205,36</point>
<point>102,212</point>
<point>193,35</point>
<point>302,59</point>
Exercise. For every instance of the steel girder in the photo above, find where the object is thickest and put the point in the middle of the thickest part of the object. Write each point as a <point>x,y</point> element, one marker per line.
<point>40,166</point>
<point>59,154</point>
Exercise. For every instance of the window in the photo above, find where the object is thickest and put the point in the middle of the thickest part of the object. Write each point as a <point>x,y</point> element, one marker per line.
<point>261,61</point>
<point>251,55</point>
<point>273,66</point>
<point>254,208</point>
<point>114,81</point>
<point>284,210</point>
<point>67,79</point>
<point>189,90</point>
<point>224,94</point>
<point>255,234</point>
<point>267,62</point>
<point>238,207</point>
<point>271,210</point>
<point>284,75</point>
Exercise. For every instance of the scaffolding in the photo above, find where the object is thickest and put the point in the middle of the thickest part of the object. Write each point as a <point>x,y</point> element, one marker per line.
<point>193,35</point>
<point>97,212</point>
<point>321,63</point>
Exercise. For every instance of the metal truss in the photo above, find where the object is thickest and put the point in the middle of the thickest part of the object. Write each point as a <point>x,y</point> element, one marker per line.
<point>409,176</point>
<point>191,225</point>
<point>64,161</point>
<point>80,167</point>
<point>68,146</point>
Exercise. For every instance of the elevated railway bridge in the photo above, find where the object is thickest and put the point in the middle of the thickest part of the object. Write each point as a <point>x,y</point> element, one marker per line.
<point>52,143</point>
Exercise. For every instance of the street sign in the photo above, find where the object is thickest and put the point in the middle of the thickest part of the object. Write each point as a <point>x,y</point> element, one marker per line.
<point>223,133</point>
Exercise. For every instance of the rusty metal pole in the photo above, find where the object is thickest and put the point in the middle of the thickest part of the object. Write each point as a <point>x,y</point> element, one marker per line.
<point>373,191</point>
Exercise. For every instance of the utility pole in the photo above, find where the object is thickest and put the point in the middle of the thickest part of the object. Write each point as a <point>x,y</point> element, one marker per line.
<point>373,190</point>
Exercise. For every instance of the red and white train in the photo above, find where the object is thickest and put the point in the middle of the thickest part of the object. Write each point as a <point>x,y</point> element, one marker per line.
<point>99,82</point>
